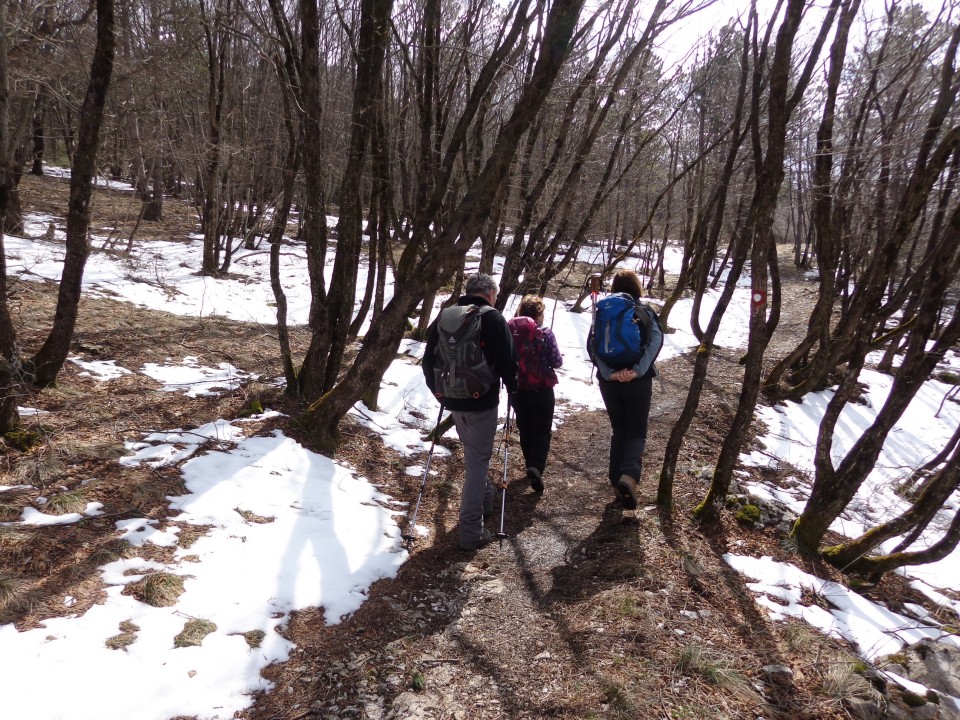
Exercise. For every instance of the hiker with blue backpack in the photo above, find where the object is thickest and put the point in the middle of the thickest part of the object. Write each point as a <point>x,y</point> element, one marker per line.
<point>469,351</point>
<point>539,356</point>
<point>623,344</point>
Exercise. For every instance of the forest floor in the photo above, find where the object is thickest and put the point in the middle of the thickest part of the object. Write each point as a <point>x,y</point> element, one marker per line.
<point>584,611</point>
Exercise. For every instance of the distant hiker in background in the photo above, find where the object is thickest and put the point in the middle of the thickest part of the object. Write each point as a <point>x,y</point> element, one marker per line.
<point>539,356</point>
<point>469,351</point>
<point>623,343</point>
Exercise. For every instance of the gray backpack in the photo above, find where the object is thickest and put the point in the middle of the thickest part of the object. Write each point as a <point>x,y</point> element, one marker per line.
<point>461,369</point>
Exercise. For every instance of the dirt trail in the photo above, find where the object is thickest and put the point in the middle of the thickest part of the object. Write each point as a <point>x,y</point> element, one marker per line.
<point>584,611</point>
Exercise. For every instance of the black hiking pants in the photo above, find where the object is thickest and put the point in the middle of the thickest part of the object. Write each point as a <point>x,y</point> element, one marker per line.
<point>534,413</point>
<point>628,406</point>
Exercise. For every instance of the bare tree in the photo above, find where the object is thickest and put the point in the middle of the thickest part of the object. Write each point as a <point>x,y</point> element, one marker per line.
<point>9,353</point>
<point>446,250</point>
<point>49,360</point>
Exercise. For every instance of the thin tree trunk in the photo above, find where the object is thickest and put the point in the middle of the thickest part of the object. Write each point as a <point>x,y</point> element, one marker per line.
<point>313,222</point>
<point>373,37</point>
<point>38,140</point>
<point>770,173</point>
<point>701,364</point>
<point>9,356</point>
<point>49,360</point>
<point>275,240</point>
<point>216,76</point>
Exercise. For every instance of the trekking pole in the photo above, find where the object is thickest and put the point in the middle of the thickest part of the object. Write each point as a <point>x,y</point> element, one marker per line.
<point>503,501</point>
<point>409,537</point>
<point>594,280</point>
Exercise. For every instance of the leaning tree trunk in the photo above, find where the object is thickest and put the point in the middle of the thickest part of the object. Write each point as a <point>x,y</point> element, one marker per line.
<point>50,358</point>
<point>877,565</point>
<point>847,555</point>
<point>833,489</point>
<point>303,65</point>
<point>940,140</point>
<point>823,223</point>
<point>18,130</point>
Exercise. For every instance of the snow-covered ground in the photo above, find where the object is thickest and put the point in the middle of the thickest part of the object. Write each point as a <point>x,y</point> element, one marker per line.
<point>292,529</point>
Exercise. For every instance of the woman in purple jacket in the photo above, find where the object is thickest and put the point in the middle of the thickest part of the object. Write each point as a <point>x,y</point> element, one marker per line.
<point>534,401</point>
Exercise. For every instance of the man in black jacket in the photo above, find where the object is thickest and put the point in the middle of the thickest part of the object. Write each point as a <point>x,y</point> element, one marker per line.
<point>476,416</point>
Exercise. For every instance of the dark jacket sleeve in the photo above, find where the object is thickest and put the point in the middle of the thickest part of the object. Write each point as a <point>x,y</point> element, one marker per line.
<point>430,357</point>
<point>499,348</point>
<point>644,365</point>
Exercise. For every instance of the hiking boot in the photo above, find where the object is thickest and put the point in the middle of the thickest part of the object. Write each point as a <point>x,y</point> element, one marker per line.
<point>627,487</point>
<point>618,496</point>
<point>485,538</point>
<point>536,479</point>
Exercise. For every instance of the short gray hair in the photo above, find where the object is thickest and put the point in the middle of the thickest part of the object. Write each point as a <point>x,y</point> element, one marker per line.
<point>481,284</point>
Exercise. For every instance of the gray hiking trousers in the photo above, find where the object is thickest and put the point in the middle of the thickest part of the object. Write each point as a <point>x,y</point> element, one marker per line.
<point>477,431</point>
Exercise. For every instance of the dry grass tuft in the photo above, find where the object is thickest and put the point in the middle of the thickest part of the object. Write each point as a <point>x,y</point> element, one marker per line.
<point>38,469</point>
<point>193,633</point>
<point>16,598</point>
<point>254,638</point>
<point>11,539</point>
<point>113,551</point>
<point>690,564</point>
<point>147,495</point>
<point>842,683</point>
<point>77,453</point>
<point>620,701</point>
<point>695,660</point>
<point>189,534</point>
<point>15,496</point>
<point>252,517</point>
<point>10,589</point>
<point>12,503</point>
<point>800,638</point>
<point>158,589</point>
<point>628,606</point>
<point>127,636</point>
<point>74,501</point>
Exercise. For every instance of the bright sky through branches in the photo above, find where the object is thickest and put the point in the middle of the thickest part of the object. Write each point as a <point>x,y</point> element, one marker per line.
<point>677,44</point>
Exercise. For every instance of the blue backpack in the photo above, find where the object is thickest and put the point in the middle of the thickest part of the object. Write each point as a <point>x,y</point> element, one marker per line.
<point>621,331</point>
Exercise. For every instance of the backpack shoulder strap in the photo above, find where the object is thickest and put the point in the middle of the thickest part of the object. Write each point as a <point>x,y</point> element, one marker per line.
<point>647,316</point>
<point>453,318</point>
<point>642,313</point>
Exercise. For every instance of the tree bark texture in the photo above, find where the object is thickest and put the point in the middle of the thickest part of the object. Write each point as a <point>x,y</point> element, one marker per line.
<point>50,358</point>
<point>9,355</point>
<point>373,37</point>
